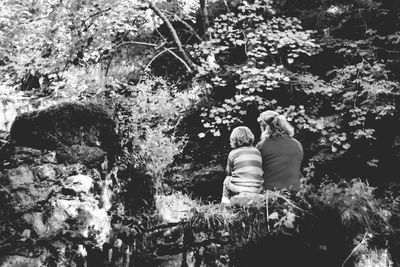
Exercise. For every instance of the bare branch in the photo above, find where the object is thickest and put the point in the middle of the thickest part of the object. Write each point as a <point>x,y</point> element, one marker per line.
<point>156,56</point>
<point>156,46</point>
<point>288,201</point>
<point>91,16</point>
<point>358,246</point>
<point>187,25</point>
<point>98,13</point>
<point>172,53</point>
<point>178,43</point>
<point>135,43</point>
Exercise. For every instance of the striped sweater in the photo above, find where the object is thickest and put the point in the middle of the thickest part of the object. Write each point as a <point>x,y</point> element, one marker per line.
<point>245,167</point>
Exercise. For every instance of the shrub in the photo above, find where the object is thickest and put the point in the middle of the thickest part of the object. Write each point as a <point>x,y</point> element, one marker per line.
<point>147,115</point>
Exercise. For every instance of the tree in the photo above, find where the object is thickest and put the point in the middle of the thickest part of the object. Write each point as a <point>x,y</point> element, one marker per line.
<point>44,39</point>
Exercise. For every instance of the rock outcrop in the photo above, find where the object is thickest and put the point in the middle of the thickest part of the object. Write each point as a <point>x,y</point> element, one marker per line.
<point>55,184</point>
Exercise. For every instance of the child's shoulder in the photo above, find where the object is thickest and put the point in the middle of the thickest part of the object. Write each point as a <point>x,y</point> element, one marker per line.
<point>243,149</point>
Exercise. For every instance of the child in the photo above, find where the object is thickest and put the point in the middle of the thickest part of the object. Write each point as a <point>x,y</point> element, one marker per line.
<point>244,167</point>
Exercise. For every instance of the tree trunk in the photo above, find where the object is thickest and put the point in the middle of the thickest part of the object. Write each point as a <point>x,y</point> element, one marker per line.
<point>204,16</point>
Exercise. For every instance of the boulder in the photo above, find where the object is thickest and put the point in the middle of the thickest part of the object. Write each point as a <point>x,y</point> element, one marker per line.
<point>25,261</point>
<point>81,216</point>
<point>26,189</point>
<point>50,202</point>
<point>14,156</point>
<point>79,183</point>
<point>69,123</point>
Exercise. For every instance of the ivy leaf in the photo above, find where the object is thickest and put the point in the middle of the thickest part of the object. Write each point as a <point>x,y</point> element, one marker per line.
<point>346,146</point>
<point>273,216</point>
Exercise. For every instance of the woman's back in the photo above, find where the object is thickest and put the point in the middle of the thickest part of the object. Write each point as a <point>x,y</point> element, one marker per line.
<point>282,157</point>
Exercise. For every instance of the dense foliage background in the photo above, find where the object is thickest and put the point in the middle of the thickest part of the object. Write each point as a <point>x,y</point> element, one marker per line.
<point>181,74</point>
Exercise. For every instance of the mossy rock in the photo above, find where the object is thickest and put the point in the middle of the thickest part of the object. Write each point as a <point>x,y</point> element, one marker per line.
<point>66,124</point>
<point>88,156</point>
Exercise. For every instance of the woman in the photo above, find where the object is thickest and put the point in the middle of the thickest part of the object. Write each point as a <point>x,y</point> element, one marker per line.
<point>281,153</point>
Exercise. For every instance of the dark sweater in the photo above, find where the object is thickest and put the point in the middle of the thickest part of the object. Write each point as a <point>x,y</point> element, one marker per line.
<point>282,157</point>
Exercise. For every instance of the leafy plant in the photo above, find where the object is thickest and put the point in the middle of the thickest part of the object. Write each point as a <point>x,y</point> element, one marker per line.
<point>266,46</point>
<point>147,117</point>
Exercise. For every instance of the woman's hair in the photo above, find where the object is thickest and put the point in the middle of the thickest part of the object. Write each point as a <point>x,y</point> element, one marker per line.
<point>277,125</point>
<point>241,136</point>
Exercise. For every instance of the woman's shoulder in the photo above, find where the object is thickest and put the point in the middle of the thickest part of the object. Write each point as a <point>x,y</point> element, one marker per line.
<point>278,140</point>
<point>260,144</point>
<point>298,143</point>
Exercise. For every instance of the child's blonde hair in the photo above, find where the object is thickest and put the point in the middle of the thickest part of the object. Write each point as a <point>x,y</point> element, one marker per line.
<point>241,136</point>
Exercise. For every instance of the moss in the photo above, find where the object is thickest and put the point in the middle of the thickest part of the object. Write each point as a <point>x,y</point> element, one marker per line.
<point>88,156</point>
<point>68,123</point>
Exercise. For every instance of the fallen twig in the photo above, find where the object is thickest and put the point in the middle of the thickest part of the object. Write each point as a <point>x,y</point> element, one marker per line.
<point>354,250</point>
<point>266,206</point>
<point>163,226</point>
<point>290,202</point>
<point>7,239</point>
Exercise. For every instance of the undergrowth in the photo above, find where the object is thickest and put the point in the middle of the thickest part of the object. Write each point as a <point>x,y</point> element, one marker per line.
<point>344,224</point>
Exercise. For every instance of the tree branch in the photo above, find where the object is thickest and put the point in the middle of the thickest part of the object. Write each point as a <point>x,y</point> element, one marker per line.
<point>187,25</point>
<point>178,43</point>
<point>129,43</point>
<point>135,43</point>
<point>388,51</point>
<point>156,56</point>
<point>91,16</point>
<point>172,53</point>
<point>99,12</point>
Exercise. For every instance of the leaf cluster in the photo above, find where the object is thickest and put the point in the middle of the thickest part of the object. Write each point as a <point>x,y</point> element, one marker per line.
<point>265,46</point>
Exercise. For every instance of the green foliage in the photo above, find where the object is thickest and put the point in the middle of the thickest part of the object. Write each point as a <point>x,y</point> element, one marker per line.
<point>340,94</point>
<point>44,39</point>
<point>373,258</point>
<point>358,101</point>
<point>356,203</point>
<point>338,84</point>
<point>266,45</point>
<point>147,115</point>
